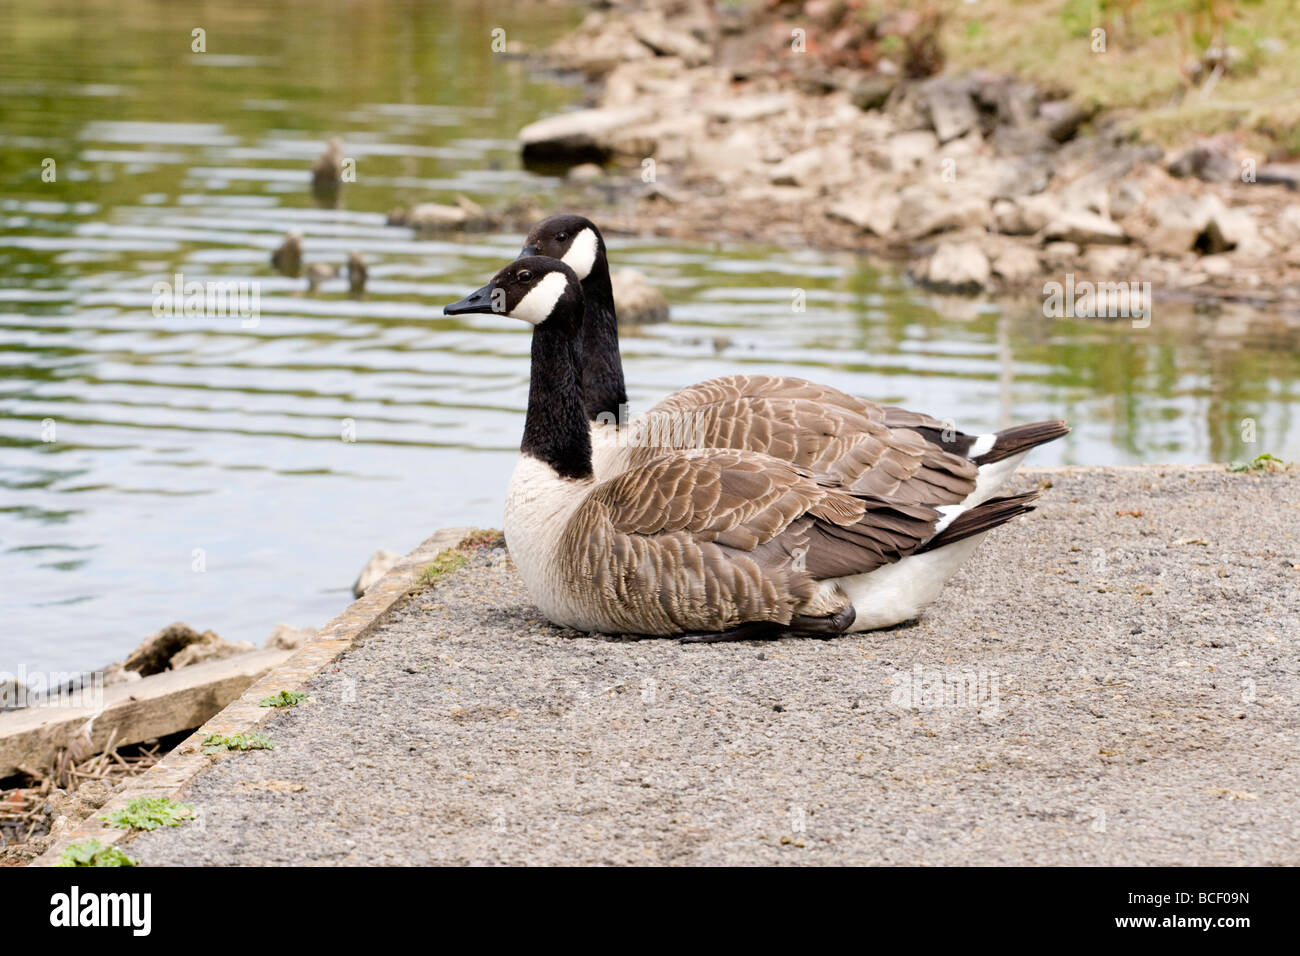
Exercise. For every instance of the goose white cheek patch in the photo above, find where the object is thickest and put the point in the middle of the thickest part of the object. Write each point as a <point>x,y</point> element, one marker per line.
<point>582,253</point>
<point>535,307</point>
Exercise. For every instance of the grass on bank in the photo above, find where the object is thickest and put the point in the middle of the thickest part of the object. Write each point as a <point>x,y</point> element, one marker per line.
<point>1149,47</point>
<point>445,563</point>
<point>285,698</point>
<point>1260,463</point>
<point>215,743</point>
<point>94,853</point>
<point>150,813</point>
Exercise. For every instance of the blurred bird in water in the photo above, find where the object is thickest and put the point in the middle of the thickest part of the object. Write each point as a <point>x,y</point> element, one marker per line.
<point>357,273</point>
<point>287,259</point>
<point>318,272</point>
<point>327,175</point>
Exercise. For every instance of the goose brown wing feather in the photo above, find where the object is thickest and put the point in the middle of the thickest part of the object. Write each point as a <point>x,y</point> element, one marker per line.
<point>813,426</point>
<point>712,492</point>
<point>712,539</point>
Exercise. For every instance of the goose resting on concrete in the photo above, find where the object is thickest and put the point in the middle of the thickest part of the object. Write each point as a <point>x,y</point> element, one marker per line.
<point>882,450</point>
<point>713,544</point>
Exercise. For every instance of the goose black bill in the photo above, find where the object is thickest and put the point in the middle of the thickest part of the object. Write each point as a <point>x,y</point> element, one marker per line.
<point>480,300</point>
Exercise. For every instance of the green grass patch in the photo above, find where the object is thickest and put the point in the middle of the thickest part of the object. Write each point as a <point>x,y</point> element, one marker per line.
<point>94,853</point>
<point>445,563</point>
<point>1149,62</point>
<point>1264,463</point>
<point>285,698</point>
<point>215,743</point>
<point>150,813</point>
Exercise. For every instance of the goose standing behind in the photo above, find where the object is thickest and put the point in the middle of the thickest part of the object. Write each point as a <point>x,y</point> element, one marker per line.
<point>870,448</point>
<point>721,544</point>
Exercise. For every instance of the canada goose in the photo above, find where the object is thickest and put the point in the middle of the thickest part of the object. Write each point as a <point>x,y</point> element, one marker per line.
<point>716,544</point>
<point>814,426</point>
<point>318,272</point>
<point>327,175</point>
<point>287,258</point>
<point>357,273</point>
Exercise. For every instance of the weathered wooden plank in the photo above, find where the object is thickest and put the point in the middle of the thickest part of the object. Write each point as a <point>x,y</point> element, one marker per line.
<point>150,707</point>
<point>171,775</point>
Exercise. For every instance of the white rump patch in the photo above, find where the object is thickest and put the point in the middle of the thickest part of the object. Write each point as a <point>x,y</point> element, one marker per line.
<point>949,512</point>
<point>983,445</point>
<point>582,253</point>
<point>536,307</point>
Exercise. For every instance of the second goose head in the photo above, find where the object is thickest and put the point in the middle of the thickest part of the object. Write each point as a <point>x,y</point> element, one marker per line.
<point>577,242</point>
<point>546,294</point>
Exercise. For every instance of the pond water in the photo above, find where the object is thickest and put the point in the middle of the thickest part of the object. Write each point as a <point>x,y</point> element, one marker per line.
<point>155,469</point>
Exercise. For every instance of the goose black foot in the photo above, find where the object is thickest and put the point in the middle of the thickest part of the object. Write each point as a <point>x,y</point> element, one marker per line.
<point>800,625</point>
<point>825,627</point>
<point>749,631</point>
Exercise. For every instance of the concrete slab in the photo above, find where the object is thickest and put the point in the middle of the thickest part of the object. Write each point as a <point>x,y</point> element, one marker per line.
<point>1113,679</point>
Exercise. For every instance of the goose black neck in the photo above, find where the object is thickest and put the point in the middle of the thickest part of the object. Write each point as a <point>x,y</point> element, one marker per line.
<point>556,430</point>
<point>602,365</point>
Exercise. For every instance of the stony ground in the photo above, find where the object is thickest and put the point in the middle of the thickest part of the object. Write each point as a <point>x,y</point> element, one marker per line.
<point>1112,680</point>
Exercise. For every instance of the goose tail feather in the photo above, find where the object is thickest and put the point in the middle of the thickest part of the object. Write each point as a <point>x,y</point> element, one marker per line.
<point>981,518</point>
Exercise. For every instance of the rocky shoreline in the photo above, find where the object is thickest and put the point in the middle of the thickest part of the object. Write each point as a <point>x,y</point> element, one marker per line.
<point>712,123</point>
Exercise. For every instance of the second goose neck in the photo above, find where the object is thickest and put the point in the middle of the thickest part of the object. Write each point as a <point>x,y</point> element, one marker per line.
<point>602,364</point>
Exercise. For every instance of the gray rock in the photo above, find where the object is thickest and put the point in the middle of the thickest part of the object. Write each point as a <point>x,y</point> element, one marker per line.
<point>924,211</point>
<point>1021,141</point>
<point>1024,176</point>
<point>872,92</point>
<point>742,109</point>
<point>1062,119</point>
<point>1188,222</point>
<point>636,301</point>
<point>1061,255</point>
<point>600,45</point>
<point>1007,219</point>
<point>582,136</point>
<point>908,150</point>
<point>1280,174</point>
<point>435,217</point>
<point>13,695</point>
<point>118,674</point>
<point>815,167</point>
<point>1026,215</point>
<point>1014,102</point>
<point>1288,222</point>
<point>958,267</point>
<point>286,638</point>
<point>379,564</point>
<point>1017,264</point>
<point>663,40</point>
<point>874,214</point>
<point>1107,261</point>
<point>1084,228</point>
<point>1125,198</point>
<point>1212,160</point>
<point>155,652</point>
<point>586,173</point>
<point>949,107</point>
<point>209,647</point>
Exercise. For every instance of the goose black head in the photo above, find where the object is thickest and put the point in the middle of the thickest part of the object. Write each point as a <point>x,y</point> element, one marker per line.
<point>534,288</point>
<point>574,240</point>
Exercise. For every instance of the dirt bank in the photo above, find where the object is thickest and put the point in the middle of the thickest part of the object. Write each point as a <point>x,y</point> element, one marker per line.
<point>1113,679</point>
<point>752,121</point>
